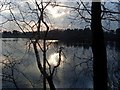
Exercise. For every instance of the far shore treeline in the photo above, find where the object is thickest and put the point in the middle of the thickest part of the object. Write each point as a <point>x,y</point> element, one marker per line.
<point>70,35</point>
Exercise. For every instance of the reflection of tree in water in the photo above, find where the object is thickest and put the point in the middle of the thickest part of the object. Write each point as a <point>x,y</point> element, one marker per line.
<point>113,60</point>
<point>19,65</point>
<point>71,72</point>
<point>76,70</point>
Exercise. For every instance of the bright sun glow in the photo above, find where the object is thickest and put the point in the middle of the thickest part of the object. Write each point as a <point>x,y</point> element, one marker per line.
<point>54,58</point>
<point>56,11</point>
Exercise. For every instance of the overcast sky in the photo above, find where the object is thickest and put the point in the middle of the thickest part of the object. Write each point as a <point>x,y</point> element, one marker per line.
<point>58,17</point>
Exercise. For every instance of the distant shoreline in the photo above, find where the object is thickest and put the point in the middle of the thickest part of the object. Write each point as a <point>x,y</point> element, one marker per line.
<point>68,35</point>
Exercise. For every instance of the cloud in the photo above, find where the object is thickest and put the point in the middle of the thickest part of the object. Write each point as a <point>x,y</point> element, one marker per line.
<point>58,17</point>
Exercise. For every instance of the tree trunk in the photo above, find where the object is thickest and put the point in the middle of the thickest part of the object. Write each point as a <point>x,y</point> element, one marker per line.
<point>51,84</point>
<point>43,69</point>
<point>44,65</point>
<point>98,49</point>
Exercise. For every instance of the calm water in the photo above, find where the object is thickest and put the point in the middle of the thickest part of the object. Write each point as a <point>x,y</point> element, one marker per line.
<point>75,70</point>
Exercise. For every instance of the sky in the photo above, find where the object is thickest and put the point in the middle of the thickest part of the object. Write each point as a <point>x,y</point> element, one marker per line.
<point>56,17</point>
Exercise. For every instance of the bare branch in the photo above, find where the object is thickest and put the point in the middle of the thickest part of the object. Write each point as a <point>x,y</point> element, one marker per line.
<point>38,58</point>
<point>16,21</point>
<point>59,61</point>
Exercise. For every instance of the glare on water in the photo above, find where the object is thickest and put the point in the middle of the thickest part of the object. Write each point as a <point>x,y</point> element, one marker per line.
<point>54,59</point>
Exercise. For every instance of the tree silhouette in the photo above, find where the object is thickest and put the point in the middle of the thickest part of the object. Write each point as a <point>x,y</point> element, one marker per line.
<point>40,30</point>
<point>38,24</point>
<point>98,48</point>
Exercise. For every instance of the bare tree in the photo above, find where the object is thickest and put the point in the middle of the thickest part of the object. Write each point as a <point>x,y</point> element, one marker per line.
<point>36,25</point>
<point>34,19</point>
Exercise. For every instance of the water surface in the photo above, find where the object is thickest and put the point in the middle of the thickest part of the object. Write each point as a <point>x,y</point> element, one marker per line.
<point>75,70</point>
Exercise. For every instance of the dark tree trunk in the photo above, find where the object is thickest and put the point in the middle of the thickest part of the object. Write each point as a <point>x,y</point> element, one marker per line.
<point>51,84</point>
<point>43,69</point>
<point>98,49</point>
<point>44,65</point>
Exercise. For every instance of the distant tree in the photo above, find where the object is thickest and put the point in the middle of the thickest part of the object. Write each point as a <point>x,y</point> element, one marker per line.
<point>15,32</point>
<point>6,34</point>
